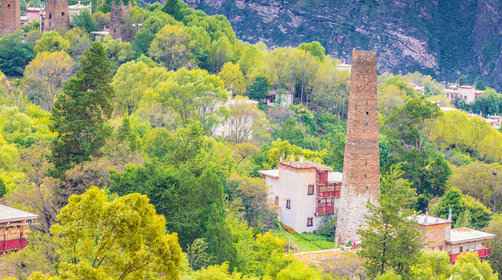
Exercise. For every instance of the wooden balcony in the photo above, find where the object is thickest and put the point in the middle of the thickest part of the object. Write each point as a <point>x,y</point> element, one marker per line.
<point>328,191</point>
<point>12,245</point>
<point>325,210</point>
<point>482,253</point>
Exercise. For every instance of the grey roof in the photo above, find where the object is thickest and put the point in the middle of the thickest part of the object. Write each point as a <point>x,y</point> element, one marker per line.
<point>9,214</point>
<point>464,235</point>
<point>427,220</point>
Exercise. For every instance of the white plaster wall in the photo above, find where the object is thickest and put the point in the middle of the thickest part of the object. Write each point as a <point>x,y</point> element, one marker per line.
<point>294,186</point>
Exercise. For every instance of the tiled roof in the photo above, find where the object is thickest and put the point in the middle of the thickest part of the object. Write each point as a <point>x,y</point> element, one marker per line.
<point>426,220</point>
<point>305,165</point>
<point>270,173</point>
<point>463,235</point>
<point>9,214</point>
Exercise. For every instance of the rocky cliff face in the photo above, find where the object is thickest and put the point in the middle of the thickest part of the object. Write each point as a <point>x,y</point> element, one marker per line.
<point>449,39</point>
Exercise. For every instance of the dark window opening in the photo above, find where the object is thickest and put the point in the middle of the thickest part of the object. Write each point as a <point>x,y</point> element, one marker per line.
<point>310,190</point>
<point>288,204</point>
<point>310,222</point>
<point>62,13</point>
<point>8,5</point>
<point>50,16</point>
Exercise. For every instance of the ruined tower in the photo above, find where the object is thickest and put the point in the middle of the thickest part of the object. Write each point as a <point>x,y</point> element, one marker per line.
<point>119,14</point>
<point>56,16</point>
<point>10,16</point>
<point>361,170</point>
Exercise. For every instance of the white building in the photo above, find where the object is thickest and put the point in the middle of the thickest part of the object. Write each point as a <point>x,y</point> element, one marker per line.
<point>468,94</point>
<point>303,192</point>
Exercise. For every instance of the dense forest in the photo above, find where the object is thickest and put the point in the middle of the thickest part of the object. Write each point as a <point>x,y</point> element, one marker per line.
<point>118,146</point>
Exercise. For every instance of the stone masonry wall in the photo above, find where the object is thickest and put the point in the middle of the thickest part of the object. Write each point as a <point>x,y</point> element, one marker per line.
<point>57,16</point>
<point>119,28</point>
<point>361,173</point>
<point>10,16</point>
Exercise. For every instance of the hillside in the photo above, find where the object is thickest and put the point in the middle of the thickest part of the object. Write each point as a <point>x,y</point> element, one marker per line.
<point>448,39</point>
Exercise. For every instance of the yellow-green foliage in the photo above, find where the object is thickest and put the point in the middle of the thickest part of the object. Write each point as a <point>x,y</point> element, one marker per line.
<point>282,149</point>
<point>469,266</point>
<point>470,133</point>
<point>123,238</point>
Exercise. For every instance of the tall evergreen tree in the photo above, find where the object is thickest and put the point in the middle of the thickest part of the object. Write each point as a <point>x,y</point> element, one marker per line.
<point>80,113</point>
<point>390,239</point>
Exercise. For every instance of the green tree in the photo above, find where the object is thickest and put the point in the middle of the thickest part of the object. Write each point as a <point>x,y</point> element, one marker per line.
<point>132,81</point>
<point>184,180</point>
<point>79,42</point>
<point>51,41</point>
<point>314,48</point>
<point>258,89</point>
<point>468,266</point>
<point>3,188</point>
<point>176,8</point>
<point>192,95</point>
<point>478,215</point>
<point>390,239</point>
<point>152,24</point>
<point>432,265</point>
<point>45,75</point>
<point>233,78</point>
<point>480,180</point>
<point>121,238</point>
<point>85,21</point>
<point>299,271</point>
<point>79,113</point>
<point>389,275</point>
<point>495,227</point>
<point>172,47</point>
<point>15,54</point>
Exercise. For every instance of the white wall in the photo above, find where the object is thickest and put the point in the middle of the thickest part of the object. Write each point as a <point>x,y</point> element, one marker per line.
<point>293,184</point>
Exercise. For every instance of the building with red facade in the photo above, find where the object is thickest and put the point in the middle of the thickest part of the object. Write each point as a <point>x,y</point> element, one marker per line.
<point>14,228</point>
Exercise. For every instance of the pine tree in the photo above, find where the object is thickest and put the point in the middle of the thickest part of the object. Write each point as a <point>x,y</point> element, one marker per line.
<point>390,239</point>
<point>80,113</point>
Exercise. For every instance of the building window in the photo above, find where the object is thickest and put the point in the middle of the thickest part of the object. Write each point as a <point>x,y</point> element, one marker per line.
<point>310,190</point>
<point>276,202</point>
<point>310,222</point>
<point>288,204</point>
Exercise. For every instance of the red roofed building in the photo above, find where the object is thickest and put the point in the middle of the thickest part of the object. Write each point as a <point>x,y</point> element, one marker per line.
<point>439,235</point>
<point>14,229</point>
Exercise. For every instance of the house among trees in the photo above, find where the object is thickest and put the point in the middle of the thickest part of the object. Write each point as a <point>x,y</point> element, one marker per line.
<point>439,235</point>
<point>303,192</point>
<point>14,229</point>
<point>466,93</point>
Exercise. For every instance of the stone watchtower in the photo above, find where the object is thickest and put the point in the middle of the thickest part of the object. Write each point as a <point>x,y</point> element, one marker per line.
<point>57,16</point>
<point>361,171</point>
<point>10,16</point>
<point>119,14</point>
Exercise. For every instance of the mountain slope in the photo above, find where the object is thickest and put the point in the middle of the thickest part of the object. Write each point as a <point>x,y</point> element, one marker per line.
<point>449,39</point>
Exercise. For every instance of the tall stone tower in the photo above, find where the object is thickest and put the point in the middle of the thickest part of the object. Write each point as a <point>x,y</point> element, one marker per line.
<point>119,13</point>
<point>57,16</point>
<point>361,169</point>
<point>10,16</point>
